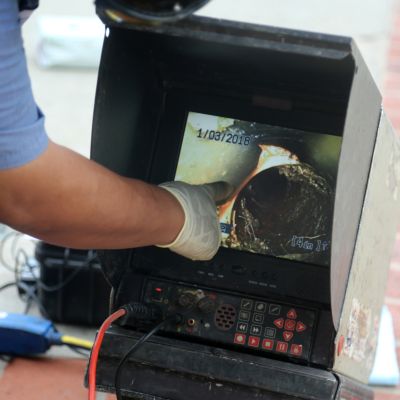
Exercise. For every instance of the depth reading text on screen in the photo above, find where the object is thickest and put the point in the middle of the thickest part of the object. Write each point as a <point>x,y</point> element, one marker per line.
<point>283,178</point>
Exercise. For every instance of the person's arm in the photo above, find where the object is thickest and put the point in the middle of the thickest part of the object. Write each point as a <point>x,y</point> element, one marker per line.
<point>57,195</point>
<point>68,200</point>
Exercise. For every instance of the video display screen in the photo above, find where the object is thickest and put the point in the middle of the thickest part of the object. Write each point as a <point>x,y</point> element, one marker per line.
<point>284,182</point>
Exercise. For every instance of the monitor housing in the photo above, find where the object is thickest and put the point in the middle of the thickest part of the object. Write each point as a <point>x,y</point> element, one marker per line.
<point>255,306</point>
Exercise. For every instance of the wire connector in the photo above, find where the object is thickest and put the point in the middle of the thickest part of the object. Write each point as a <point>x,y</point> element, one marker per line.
<point>139,312</point>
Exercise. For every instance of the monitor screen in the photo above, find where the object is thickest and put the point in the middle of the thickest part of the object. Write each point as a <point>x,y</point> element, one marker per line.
<point>284,183</point>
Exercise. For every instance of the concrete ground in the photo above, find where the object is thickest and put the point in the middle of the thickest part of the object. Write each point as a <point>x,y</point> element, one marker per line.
<point>66,95</point>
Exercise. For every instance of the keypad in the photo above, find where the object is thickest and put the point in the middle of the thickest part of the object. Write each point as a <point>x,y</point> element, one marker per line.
<point>260,307</point>
<point>275,328</point>
<point>251,323</point>
<point>258,318</point>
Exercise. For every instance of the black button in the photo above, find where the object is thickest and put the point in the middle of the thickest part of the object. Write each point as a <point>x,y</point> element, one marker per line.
<point>261,307</point>
<point>270,332</point>
<point>242,327</point>
<point>244,315</point>
<point>258,318</point>
<point>274,309</point>
<point>246,304</point>
<point>256,330</point>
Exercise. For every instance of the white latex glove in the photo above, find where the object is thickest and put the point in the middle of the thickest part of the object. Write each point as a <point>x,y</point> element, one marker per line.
<point>200,236</point>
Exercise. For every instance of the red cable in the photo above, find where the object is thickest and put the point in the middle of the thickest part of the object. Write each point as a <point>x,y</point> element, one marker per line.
<point>96,349</point>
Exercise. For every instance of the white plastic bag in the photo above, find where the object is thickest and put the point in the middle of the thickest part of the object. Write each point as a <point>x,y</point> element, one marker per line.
<point>69,41</point>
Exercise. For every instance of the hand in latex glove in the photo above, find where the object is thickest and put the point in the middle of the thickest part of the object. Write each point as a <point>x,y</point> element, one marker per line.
<point>200,236</point>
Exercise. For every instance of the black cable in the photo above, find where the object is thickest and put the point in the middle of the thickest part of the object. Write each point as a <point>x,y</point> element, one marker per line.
<point>3,261</point>
<point>61,285</point>
<point>32,298</point>
<point>24,289</point>
<point>30,292</point>
<point>27,293</point>
<point>92,256</point>
<point>118,372</point>
<point>17,273</point>
<point>28,305</point>
<point>15,242</point>
<point>55,288</point>
<point>7,285</point>
<point>78,350</point>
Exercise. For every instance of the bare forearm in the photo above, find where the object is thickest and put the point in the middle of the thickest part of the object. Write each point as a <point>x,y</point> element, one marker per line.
<point>68,200</point>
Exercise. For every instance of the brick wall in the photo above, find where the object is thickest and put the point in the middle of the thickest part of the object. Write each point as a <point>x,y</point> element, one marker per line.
<point>392,105</point>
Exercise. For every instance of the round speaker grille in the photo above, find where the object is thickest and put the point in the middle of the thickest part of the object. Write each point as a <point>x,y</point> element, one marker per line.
<point>225,317</point>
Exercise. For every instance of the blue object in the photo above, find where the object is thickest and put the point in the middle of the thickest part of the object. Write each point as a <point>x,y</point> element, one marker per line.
<point>386,370</point>
<point>24,335</point>
<point>22,134</point>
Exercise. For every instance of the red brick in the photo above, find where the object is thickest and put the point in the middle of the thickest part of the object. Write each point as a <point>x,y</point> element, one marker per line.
<point>391,84</point>
<point>392,113</point>
<point>393,66</point>
<point>392,106</point>
<point>394,52</point>
<point>392,81</point>
<point>393,48</point>
<point>395,37</point>
<point>392,93</point>
<point>398,354</point>
<point>396,20</point>
<point>395,311</point>
<point>393,61</point>
<point>394,42</point>
<point>396,250</point>
<point>43,378</point>
<point>391,103</point>
<point>393,285</point>
<point>386,395</point>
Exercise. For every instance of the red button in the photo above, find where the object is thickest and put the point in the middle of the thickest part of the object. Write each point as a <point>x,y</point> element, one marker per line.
<point>282,347</point>
<point>239,338</point>
<point>300,327</point>
<point>267,344</point>
<point>279,323</point>
<point>254,341</point>
<point>292,314</point>
<point>287,336</point>
<point>296,349</point>
<point>290,325</point>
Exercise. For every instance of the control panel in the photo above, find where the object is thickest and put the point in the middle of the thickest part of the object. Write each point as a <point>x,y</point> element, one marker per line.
<point>245,322</point>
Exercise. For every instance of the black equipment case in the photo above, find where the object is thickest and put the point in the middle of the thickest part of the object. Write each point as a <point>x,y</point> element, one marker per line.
<point>274,328</point>
<point>72,287</point>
